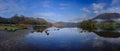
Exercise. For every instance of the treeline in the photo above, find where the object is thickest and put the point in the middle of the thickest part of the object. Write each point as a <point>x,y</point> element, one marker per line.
<point>21,19</point>
<point>87,25</point>
<point>107,21</point>
<point>90,24</point>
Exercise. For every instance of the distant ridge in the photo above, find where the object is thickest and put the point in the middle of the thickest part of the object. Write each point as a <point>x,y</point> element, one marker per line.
<point>67,23</point>
<point>108,16</point>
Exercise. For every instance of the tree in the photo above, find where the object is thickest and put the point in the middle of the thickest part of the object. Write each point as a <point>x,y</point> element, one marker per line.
<point>87,25</point>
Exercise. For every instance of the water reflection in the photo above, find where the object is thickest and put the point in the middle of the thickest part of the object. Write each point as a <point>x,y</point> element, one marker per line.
<point>71,39</point>
<point>106,33</point>
<point>59,39</point>
<point>39,28</point>
<point>43,29</point>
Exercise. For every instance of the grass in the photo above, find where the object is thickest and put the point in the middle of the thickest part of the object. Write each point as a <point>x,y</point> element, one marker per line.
<point>11,27</point>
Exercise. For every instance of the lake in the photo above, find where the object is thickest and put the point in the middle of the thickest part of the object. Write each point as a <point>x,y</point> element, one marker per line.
<point>60,39</point>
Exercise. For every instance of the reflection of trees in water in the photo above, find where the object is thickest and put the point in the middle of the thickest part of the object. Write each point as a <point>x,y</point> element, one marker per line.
<point>89,29</point>
<point>106,33</point>
<point>44,29</point>
<point>41,29</point>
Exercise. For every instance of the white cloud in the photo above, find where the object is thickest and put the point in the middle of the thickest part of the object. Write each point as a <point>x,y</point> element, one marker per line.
<point>113,10</point>
<point>96,12</point>
<point>7,6</point>
<point>99,9</point>
<point>107,10</point>
<point>96,9</point>
<point>85,10</point>
<point>97,6</point>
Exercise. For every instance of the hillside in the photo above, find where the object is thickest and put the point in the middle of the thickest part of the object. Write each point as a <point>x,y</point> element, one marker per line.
<point>108,16</point>
<point>20,19</point>
<point>67,23</point>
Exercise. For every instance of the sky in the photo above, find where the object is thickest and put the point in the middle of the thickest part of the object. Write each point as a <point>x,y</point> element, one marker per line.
<point>59,10</point>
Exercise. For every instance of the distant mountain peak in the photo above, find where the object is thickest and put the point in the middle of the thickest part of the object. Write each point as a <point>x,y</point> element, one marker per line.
<point>108,16</point>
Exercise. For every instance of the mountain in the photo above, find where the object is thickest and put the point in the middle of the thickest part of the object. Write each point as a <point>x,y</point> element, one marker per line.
<point>3,20</point>
<point>67,23</point>
<point>50,20</point>
<point>21,19</point>
<point>109,17</point>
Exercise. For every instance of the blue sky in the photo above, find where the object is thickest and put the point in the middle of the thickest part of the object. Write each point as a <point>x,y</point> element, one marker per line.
<point>58,10</point>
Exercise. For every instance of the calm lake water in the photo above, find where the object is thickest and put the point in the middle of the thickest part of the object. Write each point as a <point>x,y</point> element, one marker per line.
<point>60,39</point>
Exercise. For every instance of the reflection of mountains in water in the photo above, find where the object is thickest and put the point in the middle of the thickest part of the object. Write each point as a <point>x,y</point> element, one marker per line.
<point>66,26</point>
<point>107,33</point>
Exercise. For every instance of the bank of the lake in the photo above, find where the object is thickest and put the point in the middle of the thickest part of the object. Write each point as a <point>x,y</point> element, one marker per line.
<point>12,27</point>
